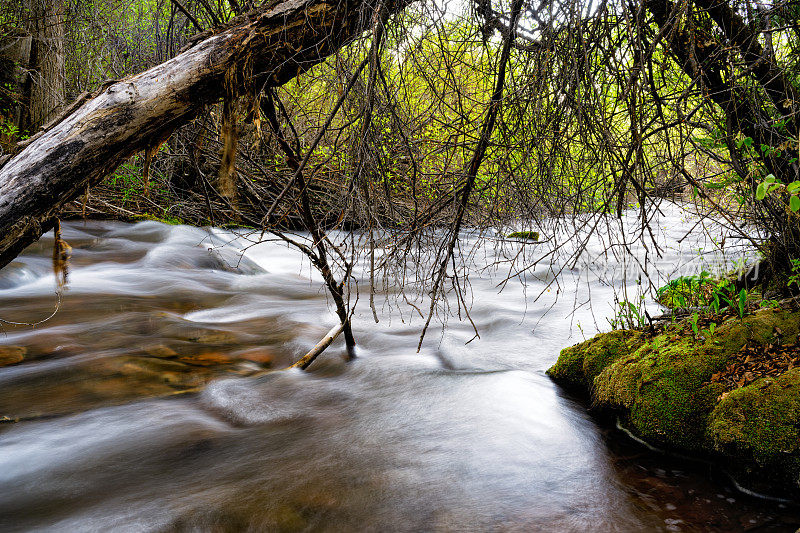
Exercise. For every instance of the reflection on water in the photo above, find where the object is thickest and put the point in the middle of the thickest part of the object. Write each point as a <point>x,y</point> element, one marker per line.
<point>458,437</point>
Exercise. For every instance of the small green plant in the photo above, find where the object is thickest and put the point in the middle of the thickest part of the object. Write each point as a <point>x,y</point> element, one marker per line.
<point>8,129</point>
<point>693,323</point>
<point>742,302</point>
<point>703,291</point>
<point>714,303</point>
<point>628,315</point>
<point>770,304</point>
<point>9,133</point>
<point>687,291</point>
<point>736,301</point>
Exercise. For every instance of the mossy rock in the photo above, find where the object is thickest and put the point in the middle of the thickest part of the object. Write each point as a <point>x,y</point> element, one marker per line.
<point>661,386</point>
<point>528,235</point>
<point>579,365</point>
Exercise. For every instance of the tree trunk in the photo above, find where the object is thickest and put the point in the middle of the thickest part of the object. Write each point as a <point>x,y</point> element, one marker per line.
<point>46,83</point>
<point>271,45</point>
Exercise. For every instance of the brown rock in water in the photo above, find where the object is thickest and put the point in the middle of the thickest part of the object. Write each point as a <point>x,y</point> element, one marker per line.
<point>212,337</point>
<point>262,356</point>
<point>10,355</point>
<point>207,359</point>
<point>182,380</point>
<point>160,351</point>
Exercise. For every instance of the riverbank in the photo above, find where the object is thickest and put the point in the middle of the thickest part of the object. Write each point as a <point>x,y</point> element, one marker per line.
<point>731,395</point>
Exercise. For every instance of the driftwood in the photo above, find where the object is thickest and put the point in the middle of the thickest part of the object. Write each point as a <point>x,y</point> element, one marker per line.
<point>270,45</point>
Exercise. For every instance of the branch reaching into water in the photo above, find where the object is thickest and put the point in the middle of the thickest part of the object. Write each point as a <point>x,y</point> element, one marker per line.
<point>326,341</point>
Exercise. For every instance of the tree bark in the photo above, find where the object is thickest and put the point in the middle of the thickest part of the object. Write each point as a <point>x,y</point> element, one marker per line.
<point>272,44</point>
<point>15,54</point>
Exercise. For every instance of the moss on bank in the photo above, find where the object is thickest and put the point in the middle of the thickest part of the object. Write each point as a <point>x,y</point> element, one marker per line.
<point>165,219</point>
<point>662,387</point>
<point>761,424</point>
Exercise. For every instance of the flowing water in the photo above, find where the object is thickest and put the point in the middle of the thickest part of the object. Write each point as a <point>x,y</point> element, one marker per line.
<point>135,407</point>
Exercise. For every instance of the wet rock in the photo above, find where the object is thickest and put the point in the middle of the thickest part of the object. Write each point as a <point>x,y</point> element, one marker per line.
<point>10,355</point>
<point>316,500</point>
<point>50,350</point>
<point>183,380</point>
<point>202,257</point>
<point>287,518</point>
<point>16,274</point>
<point>145,365</point>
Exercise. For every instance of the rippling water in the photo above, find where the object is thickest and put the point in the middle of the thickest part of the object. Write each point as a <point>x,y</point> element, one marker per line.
<point>138,410</point>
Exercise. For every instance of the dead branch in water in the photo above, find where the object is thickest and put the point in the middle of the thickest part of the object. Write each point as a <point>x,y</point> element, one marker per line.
<point>320,347</point>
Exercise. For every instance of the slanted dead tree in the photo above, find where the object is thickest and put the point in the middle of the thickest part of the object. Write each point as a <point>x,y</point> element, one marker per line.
<point>271,44</point>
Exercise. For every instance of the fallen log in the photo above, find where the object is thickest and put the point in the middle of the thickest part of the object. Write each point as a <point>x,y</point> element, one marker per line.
<point>271,44</point>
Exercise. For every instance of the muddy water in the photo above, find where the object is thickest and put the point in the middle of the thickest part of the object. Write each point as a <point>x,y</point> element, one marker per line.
<point>135,408</point>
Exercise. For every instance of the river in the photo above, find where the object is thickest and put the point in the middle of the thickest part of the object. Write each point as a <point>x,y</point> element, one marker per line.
<point>457,437</point>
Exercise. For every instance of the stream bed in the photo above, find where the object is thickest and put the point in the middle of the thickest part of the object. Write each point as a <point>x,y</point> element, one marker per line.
<point>136,408</point>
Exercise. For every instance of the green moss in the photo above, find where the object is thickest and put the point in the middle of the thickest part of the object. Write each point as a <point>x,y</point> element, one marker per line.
<point>530,235</point>
<point>235,225</point>
<point>165,219</point>
<point>662,389</point>
<point>761,422</point>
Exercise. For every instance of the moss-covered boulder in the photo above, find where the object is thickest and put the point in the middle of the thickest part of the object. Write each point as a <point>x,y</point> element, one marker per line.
<point>662,387</point>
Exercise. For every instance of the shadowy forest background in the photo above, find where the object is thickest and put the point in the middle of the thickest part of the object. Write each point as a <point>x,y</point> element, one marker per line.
<point>550,116</point>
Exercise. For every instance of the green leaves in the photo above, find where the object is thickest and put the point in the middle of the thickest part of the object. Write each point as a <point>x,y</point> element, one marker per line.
<point>693,323</point>
<point>761,191</point>
<point>770,184</point>
<point>767,186</point>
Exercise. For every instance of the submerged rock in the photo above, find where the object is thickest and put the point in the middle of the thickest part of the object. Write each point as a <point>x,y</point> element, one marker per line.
<point>664,388</point>
<point>10,355</point>
<point>261,356</point>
